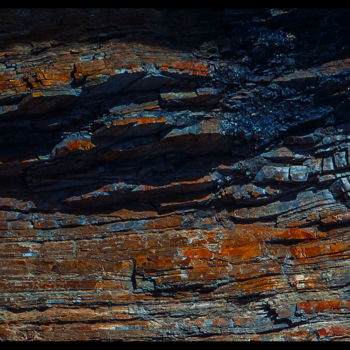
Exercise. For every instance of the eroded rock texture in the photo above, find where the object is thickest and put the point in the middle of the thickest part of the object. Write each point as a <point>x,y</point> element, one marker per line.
<point>172,174</point>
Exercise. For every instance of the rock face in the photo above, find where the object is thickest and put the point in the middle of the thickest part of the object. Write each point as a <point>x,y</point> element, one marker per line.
<point>172,174</point>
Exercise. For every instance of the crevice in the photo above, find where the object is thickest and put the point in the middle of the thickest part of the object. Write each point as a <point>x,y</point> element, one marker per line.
<point>133,275</point>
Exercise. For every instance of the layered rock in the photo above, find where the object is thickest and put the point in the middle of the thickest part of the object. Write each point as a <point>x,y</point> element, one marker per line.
<point>174,174</point>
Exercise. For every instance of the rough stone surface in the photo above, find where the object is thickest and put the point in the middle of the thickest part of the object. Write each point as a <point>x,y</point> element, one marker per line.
<point>174,174</point>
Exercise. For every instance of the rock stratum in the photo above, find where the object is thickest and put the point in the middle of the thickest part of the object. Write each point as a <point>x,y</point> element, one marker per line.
<point>174,174</point>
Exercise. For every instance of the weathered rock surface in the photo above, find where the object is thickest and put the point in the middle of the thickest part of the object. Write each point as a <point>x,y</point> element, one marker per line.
<point>172,174</point>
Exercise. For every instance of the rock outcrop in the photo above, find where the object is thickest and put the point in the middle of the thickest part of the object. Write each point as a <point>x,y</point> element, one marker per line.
<point>174,174</point>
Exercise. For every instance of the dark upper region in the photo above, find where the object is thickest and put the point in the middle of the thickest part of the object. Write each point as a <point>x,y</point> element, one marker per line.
<point>175,27</point>
<point>257,33</point>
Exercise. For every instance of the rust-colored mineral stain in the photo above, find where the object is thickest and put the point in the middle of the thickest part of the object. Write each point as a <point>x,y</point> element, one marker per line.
<point>333,331</point>
<point>258,285</point>
<point>319,249</point>
<point>278,176</point>
<point>198,253</point>
<point>80,145</point>
<point>144,120</point>
<point>165,223</point>
<point>301,334</point>
<point>297,233</point>
<point>313,306</point>
<point>37,93</point>
<point>194,68</point>
<point>244,253</point>
<point>153,107</point>
<point>256,194</point>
